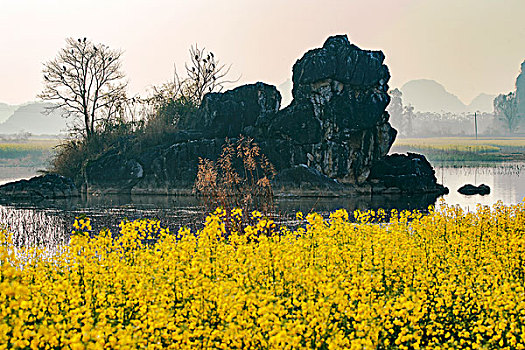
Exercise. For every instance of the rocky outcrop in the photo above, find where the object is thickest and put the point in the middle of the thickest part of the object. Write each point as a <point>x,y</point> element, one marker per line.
<point>302,180</point>
<point>337,122</point>
<point>49,186</point>
<point>333,138</point>
<point>470,189</point>
<point>173,169</point>
<point>234,112</point>
<point>398,174</point>
<point>113,173</point>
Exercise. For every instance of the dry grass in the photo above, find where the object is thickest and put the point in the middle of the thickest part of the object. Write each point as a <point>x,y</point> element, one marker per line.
<point>240,178</point>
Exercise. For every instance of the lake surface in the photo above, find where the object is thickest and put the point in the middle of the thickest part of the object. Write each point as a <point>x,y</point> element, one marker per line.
<point>50,222</point>
<point>506,182</point>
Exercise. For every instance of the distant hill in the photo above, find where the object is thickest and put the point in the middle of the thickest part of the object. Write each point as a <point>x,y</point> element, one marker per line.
<point>430,96</point>
<point>30,118</point>
<point>482,103</point>
<point>6,111</point>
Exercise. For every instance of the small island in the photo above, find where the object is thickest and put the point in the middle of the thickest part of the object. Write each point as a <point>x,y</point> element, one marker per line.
<point>332,140</point>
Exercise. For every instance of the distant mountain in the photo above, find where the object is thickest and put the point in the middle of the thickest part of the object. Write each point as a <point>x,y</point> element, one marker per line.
<point>482,103</point>
<point>30,118</point>
<point>430,96</point>
<point>6,111</point>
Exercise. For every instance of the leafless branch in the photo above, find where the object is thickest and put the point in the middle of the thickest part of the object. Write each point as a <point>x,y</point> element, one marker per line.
<point>81,80</point>
<point>205,74</point>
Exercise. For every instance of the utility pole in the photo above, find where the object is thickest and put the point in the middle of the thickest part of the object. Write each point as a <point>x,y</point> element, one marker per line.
<point>476,124</point>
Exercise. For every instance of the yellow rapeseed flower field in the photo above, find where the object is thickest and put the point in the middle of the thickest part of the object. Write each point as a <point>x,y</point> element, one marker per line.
<point>446,280</point>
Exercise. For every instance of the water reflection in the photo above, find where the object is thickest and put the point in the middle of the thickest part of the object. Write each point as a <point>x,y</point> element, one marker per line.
<point>48,223</point>
<point>363,203</point>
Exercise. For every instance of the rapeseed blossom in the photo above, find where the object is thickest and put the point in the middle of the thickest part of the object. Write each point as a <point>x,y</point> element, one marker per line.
<point>446,280</point>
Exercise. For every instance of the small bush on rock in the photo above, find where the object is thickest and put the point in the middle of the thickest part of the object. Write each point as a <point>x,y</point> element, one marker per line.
<point>240,178</point>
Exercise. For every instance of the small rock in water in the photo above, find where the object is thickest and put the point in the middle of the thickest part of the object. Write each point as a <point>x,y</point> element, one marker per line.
<point>469,189</point>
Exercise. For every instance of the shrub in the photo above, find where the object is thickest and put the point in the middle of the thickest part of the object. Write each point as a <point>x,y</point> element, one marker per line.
<point>68,159</point>
<point>240,178</point>
<point>72,154</point>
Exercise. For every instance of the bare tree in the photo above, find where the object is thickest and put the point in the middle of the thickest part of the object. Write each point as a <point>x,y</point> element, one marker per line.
<point>506,110</point>
<point>205,74</point>
<point>171,90</point>
<point>85,81</point>
<point>178,98</point>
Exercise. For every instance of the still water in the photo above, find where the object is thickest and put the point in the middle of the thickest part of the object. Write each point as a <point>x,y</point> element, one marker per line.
<point>506,182</point>
<point>48,224</point>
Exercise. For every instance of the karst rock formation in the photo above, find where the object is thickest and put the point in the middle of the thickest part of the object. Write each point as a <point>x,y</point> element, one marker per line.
<point>332,140</point>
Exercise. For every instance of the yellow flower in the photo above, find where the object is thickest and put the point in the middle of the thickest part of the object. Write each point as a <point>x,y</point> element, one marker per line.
<point>448,279</point>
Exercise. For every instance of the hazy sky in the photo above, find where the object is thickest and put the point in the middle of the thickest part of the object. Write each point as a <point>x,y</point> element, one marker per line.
<point>470,46</point>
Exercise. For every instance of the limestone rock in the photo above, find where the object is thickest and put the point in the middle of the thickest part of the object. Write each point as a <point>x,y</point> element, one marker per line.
<point>49,186</point>
<point>113,173</point>
<point>398,173</point>
<point>337,116</point>
<point>303,179</point>
<point>234,112</point>
<point>172,170</point>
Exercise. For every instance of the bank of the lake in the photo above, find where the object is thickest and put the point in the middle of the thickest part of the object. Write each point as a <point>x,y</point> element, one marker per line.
<point>460,150</point>
<point>49,223</point>
<point>23,159</point>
